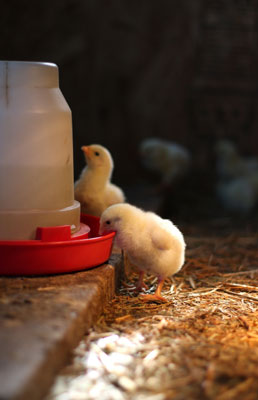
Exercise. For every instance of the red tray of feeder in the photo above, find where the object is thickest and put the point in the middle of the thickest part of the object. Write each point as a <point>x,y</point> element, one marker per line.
<point>56,251</point>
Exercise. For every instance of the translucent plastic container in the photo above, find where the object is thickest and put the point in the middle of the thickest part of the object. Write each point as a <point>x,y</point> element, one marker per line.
<point>36,152</point>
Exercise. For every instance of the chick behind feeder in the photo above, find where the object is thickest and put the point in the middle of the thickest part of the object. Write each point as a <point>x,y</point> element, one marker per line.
<point>93,189</point>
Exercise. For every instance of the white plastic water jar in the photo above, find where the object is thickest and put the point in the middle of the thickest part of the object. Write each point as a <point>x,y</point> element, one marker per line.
<point>36,151</point>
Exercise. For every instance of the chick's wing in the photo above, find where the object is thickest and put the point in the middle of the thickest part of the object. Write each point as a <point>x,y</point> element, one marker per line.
<point>160,239</point>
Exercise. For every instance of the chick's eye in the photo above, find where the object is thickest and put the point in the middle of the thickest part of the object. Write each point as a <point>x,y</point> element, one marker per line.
<point>107,222</point>
<point>96,153</point>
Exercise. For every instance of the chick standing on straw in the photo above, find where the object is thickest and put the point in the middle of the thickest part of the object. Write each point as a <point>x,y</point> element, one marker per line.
<point>153,244</point>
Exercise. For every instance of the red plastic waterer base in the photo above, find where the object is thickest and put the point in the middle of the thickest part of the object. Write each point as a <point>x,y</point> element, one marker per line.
<point>56,251</point>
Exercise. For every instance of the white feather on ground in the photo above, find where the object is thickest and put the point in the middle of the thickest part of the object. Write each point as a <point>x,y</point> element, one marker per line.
<point>93,189</point>
<point>169,159</point>
<point>153,244</point>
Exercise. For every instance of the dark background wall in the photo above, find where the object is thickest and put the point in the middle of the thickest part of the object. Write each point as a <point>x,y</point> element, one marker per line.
<point>184,70</point>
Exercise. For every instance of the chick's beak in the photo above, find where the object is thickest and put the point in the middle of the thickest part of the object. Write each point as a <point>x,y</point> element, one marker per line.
<point>100,229</point>
<point>86,150</point>
<point>103,230</point>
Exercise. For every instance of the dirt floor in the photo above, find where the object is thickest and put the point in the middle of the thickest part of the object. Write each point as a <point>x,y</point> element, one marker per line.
<point>201,344</point>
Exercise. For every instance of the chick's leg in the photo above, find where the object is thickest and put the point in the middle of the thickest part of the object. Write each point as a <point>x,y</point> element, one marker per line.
<point>157,295</point>
<point>139,285</point>
<point>129,268</point>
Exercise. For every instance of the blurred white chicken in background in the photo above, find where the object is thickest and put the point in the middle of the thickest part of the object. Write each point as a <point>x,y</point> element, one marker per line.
<point>230,164</point>
<point>93,189</point>
<point>169,159</point>
<point>237,186</point>
<point>153,244</point>
<point>237,195</point>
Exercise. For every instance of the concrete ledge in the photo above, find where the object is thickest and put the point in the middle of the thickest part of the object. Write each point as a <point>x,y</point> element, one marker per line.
<point>42,319</point>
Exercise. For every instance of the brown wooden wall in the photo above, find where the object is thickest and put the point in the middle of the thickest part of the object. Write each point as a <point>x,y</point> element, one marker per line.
<point>184,70</point>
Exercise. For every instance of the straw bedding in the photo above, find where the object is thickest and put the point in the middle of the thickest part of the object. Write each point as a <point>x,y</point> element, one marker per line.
<point>201,344</point>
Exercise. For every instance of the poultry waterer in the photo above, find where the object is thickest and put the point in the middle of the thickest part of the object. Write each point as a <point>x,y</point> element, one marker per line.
<point>41,229</point>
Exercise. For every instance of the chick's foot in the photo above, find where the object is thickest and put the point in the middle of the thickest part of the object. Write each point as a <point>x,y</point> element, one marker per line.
<point>153,297</point>
<point>157,295</point>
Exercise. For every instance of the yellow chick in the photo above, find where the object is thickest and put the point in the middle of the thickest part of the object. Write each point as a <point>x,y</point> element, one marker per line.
<point>93,189</point>
<point>153,244</point>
